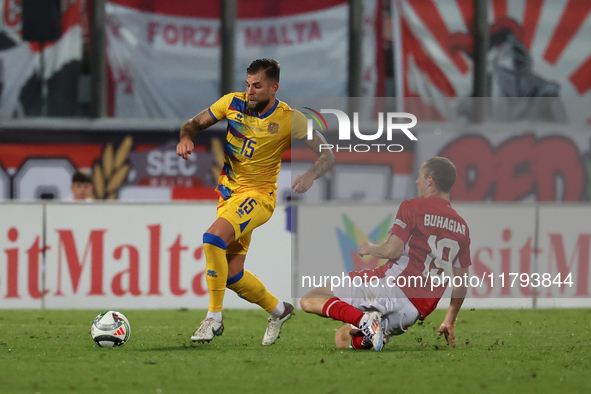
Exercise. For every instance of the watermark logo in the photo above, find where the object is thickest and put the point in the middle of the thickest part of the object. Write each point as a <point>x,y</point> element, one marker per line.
<point>317,117</point>
<point>390,119</point>
<point>353,237</point>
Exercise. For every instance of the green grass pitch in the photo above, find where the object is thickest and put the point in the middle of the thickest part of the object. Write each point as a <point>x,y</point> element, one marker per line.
<point>499,351</point>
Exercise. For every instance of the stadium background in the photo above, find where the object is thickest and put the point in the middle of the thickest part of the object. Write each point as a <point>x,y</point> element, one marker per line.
<point>125,74</point>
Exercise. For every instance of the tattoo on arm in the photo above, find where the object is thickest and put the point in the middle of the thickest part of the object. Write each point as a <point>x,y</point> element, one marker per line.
<point>194,125</point>
<point>325,159</point>
<point>322,165</point>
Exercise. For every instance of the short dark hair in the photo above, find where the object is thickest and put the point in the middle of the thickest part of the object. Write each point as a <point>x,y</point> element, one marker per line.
<point>270,66</point>
<point>443,172</point>
<point>81,178</point>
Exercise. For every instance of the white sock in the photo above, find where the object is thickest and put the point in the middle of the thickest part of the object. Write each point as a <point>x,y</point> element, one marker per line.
<point>217,316</point>
<point>279,309</point>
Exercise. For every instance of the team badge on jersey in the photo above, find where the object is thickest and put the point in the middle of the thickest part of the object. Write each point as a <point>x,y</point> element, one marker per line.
<point>273,128</point>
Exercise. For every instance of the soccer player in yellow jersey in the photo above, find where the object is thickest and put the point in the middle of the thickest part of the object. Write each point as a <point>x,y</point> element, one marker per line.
<point>260,129</point>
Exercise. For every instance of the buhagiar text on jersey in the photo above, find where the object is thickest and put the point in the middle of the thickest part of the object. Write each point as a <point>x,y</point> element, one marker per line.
<point>445,223</point>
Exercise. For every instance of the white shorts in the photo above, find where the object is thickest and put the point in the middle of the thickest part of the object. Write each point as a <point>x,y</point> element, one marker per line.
<point>398,313</point>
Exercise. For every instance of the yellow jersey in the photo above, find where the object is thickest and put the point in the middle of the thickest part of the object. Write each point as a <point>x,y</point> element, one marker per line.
<point>254,143</point>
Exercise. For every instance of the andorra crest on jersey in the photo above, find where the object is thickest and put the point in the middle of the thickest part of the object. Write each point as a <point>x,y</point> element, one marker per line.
<point>273,128</point>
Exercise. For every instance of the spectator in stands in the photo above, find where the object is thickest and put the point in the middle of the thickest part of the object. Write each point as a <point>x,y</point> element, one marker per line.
<point>82,188</point>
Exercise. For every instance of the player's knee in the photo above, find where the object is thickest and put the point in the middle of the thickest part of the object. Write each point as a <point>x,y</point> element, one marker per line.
<point>305,304</point>
<point>215,240</point>
<point>311,305</point>
<point>222,229</point>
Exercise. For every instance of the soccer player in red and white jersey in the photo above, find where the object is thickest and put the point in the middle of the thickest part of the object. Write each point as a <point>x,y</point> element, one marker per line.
<point>428,239</point>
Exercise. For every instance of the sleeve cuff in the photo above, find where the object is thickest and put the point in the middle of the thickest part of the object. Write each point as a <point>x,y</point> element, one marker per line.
<point>212,115</point>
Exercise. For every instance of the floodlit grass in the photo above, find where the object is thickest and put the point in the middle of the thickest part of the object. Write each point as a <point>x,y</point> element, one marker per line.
<point>499,351</point>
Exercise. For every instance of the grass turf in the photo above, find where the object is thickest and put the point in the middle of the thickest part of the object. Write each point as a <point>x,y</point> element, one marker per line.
<point>499,351</point>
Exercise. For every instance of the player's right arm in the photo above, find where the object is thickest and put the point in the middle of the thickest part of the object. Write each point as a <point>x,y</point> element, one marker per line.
<point>190,129</point>
<point>391,248</point>
<point>457,299</point>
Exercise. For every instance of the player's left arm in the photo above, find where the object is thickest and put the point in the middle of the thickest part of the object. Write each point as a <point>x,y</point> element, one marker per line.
<point>457,299</point>
<point>324,163</point>
<point>390,249</point>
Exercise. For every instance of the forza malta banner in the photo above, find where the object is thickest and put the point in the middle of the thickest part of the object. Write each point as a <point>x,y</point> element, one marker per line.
<point>536,49</point>
<point>164,55</point>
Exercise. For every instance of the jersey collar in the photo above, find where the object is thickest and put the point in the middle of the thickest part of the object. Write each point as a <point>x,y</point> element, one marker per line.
<point>269,112</point>
<point>440,200</point>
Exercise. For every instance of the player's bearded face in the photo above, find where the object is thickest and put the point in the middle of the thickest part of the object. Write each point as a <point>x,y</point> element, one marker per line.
<point>260,92</point>
<point>257,106</point>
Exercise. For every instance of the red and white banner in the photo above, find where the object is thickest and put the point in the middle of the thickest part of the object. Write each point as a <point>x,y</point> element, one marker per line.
<point>124,256</point>
<point>164,55</point>
<point>20,65</point>
<point>537,49</point>
<point>505,163</point>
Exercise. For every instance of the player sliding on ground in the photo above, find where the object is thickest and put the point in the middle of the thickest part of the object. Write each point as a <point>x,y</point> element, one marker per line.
<point>428,239</point>
<point>260,129</point>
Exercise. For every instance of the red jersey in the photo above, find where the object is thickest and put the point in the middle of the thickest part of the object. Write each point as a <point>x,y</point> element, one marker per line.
<point>436,239</point>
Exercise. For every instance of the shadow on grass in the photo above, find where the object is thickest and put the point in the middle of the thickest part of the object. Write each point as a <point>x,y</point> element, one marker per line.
<point>183,347</point>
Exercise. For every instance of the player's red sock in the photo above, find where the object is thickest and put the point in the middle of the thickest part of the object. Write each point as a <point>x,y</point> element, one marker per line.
<point>342,311</point>
<point>357,342</point>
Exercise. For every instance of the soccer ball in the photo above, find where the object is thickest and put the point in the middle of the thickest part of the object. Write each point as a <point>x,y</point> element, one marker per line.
<point>110,329</point>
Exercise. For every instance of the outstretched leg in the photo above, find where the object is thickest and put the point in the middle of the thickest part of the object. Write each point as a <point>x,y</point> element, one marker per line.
<point>249,287</point>
<point>322,302</point>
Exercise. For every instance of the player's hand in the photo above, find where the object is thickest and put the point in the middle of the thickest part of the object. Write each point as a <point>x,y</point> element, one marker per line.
<point>303,182</point>
<point>448,331</point>
<point>364,249</point>
<point>185,148</point>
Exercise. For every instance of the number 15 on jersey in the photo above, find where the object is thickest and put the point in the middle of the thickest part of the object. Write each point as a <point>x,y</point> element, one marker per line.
<point>248,148</point>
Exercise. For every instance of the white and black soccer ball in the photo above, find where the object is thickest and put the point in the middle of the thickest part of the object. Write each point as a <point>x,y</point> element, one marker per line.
<point>110,329</point>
